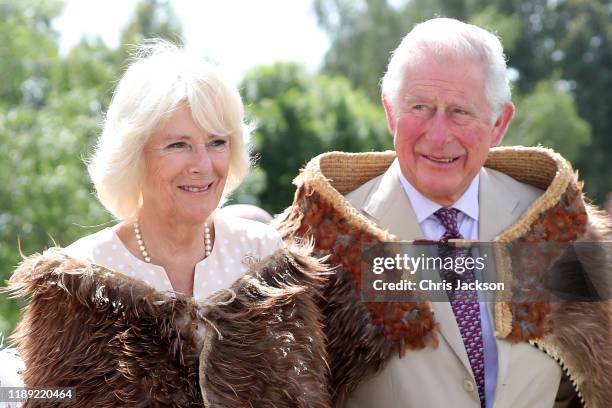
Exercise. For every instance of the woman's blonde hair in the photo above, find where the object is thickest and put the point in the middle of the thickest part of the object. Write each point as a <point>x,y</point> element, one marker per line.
<point>161,77</point>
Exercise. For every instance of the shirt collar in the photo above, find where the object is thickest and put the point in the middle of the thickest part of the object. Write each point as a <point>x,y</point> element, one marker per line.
<point>424,207</point>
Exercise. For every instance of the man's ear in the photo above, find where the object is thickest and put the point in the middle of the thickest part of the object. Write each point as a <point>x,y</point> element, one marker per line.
<point>389,113</point>
<point>501,124</point>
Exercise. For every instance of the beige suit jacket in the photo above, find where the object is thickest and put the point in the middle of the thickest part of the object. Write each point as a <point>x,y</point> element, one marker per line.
<point>442,377</point>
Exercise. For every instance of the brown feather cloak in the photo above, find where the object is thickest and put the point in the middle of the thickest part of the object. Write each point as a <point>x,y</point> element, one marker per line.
<point>121,343</point>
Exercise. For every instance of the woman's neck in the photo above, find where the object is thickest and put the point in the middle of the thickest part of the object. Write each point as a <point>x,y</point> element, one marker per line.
<point>177,247</point>
<point>167,237</point>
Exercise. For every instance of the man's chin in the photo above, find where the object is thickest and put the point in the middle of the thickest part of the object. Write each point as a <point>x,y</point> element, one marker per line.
<point>443,194</point>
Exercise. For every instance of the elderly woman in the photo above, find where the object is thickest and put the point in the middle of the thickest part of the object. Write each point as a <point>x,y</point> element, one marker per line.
<point>174,145</point>
<point>177,304</point>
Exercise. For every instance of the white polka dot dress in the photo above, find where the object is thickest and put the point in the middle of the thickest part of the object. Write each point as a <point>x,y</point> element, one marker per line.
<point>236,241</point>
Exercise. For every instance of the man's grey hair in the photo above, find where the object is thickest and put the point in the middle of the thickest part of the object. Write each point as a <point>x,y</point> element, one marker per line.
<point>445,37</point>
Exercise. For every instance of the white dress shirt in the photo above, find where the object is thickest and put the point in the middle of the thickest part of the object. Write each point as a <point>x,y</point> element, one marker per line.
<point>424,209</point>
<point>467,221</point>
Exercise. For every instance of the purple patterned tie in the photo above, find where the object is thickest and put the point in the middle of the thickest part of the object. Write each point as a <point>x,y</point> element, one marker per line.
<point>465,303</point>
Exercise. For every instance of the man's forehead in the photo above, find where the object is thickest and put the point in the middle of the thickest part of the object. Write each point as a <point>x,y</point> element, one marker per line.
<point>452,75</point>
<point>442,54</point>
<point>432,88</point>
<point>444,60</point>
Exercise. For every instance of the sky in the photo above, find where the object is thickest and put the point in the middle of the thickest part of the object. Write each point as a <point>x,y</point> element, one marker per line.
<point>235,34</point>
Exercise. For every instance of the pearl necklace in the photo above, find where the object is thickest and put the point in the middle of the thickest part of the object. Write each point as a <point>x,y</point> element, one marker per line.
<point>145,254</point>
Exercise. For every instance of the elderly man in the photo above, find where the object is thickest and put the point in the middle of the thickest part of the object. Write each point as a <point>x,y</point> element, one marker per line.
<point>447,101</point>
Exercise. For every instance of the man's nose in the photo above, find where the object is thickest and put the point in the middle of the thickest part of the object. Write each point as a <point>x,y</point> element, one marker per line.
<point>439,131</point>
<point>200,160</point>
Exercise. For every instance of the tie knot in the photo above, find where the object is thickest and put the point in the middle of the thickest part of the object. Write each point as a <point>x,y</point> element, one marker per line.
<point>448,219</point>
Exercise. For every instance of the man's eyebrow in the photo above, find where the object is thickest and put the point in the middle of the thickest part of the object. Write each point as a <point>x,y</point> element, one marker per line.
<point>414,98</point>
<point>462,103</point>
<point>408,98</point>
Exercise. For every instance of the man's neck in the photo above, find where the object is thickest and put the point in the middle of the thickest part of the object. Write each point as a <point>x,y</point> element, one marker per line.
<point>424,206</point>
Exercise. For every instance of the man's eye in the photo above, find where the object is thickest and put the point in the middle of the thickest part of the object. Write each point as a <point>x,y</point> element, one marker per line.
<point>419,107</point>
<point>460,111</point>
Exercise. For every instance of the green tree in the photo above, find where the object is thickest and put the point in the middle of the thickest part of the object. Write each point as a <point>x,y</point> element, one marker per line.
<point>28,51</point>
<point>152,19</point>
<point>362,35</point>
<point>299,115</point>
<point>568,134</point>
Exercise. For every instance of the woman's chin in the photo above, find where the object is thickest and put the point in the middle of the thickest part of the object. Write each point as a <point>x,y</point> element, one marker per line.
<point>195,217</point>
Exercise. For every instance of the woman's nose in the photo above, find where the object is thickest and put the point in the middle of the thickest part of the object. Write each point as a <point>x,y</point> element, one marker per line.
<point>201,161</point>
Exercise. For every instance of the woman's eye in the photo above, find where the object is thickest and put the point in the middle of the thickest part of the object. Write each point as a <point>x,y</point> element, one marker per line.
<point>177,145</point>
<point>218,143</point>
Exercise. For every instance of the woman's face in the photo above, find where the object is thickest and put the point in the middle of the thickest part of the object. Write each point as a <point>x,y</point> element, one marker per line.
<point>185,169</point>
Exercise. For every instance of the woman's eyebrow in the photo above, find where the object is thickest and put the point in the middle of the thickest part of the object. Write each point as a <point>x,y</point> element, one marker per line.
<point>175,136</point>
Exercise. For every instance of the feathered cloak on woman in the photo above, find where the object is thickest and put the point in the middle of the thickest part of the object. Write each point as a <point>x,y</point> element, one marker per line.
<point>121,343</point>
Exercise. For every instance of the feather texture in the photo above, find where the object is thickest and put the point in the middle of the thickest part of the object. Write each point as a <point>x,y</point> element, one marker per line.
<point>121,343</point>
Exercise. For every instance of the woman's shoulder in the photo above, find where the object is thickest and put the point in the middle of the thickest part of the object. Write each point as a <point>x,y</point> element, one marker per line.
<point>90,246</point>
<point>251,228</point>
<point>253,235</point>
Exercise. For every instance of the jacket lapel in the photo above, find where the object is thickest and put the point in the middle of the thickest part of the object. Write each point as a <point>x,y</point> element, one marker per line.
<point>388,205</point>
<point>496,206</point>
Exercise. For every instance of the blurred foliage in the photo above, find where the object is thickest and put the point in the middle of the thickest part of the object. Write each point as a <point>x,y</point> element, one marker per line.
<point>532,125</point>
<point>568,40</point>
<point>299,115</point>
<point>29,49</point>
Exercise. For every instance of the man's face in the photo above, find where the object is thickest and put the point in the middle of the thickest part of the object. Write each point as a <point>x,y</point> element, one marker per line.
<point>442,129</point>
